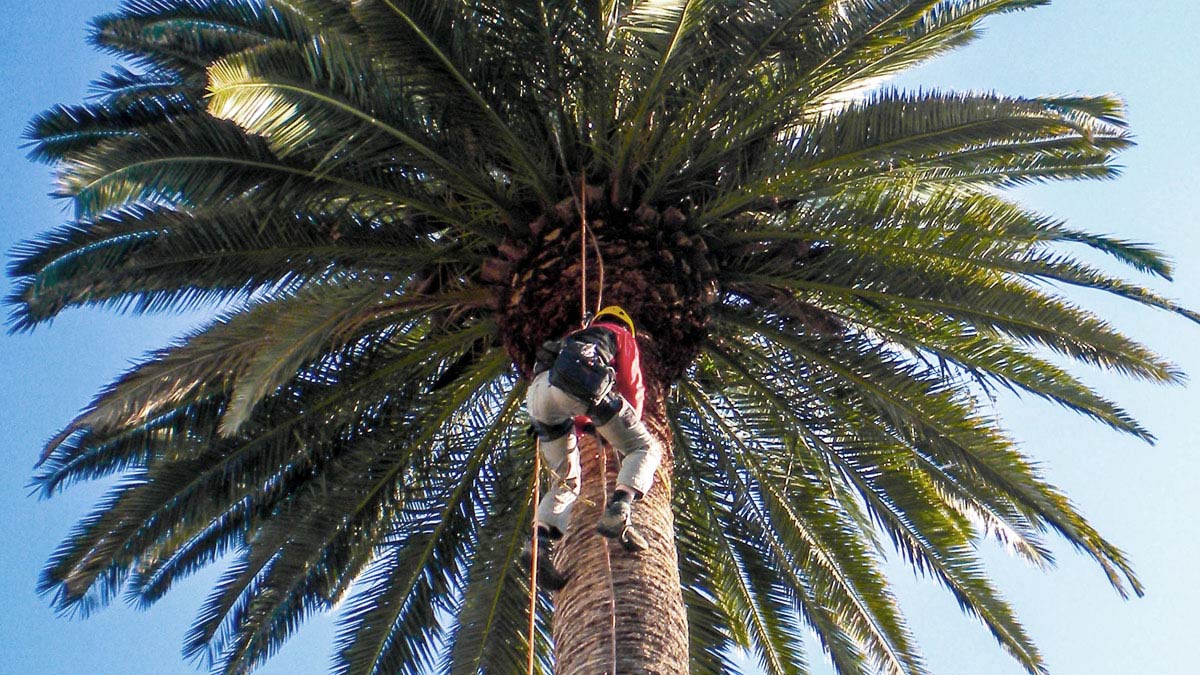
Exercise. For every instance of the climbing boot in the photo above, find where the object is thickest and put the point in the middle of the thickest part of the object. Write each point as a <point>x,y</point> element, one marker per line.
<point>549,578</point>
<point>614,524</point>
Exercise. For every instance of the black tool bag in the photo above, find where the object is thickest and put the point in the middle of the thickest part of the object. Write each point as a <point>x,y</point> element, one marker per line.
<point>581,370</point>
<point>547,354</point>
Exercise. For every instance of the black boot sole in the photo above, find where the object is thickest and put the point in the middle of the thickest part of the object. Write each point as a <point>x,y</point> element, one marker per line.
<point>630,539</point>
<point>548,576</point>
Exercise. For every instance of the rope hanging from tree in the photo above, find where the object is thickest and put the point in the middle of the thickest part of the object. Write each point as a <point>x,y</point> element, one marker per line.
<point>533,563</point>
<point>584,318</point>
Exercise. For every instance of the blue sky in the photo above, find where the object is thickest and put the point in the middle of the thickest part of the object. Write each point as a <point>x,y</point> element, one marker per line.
<point>1144,498</point>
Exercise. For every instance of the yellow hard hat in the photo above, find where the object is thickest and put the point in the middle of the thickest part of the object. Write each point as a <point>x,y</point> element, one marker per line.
<point>622,315</point>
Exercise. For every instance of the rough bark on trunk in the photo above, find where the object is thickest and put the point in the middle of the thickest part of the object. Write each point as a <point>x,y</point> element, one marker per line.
<point>651,632</point>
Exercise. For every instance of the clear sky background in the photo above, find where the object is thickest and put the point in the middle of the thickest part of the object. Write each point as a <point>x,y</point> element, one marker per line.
<point>1142,497</point>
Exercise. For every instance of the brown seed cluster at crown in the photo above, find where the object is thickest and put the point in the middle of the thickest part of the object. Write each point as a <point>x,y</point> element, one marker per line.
<point>648,263</point>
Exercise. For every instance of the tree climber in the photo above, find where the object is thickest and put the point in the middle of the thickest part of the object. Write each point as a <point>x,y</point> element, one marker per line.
<point>591,376</point>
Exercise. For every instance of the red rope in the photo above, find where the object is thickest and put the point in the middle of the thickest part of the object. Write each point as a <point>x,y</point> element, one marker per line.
<point>612,591</point>
<point>583,231</point>
<point>583,310</point>
<point>581,202</point>
<point>533,563</point>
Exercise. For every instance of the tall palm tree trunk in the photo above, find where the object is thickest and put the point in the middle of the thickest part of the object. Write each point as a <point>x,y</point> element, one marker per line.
<point>621,613</point>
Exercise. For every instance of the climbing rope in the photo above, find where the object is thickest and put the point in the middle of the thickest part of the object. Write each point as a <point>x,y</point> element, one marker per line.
<point>533,563</point>
<point>581,203</point>
<point>584,235</point>
<point>599,271</point>
<point>585,316</point>
<point>612,591</point>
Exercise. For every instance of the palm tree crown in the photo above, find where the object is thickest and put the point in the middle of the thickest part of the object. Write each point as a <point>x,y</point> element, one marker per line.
<point>384,200</point>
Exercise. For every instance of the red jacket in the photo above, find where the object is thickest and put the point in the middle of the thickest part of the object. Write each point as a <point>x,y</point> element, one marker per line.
<point>628,365</point>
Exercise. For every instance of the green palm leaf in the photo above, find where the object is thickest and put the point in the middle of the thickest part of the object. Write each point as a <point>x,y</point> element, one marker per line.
<point>754,621</point>
<point>382,629</point>
<point>490,630</point>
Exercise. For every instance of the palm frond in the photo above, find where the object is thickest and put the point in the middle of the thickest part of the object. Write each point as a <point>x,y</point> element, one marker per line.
<point>64,131</point>
<point>490,633</point>
<point>992,304</point>
<point>181,473</point>
<point>418,37</point>
<point>655,33</point>
<point>836,585</point>
<point>755,622</point>
<point>385,629</point>
<point>151,259</point>
<point>879,467</point>
<point>927,412</point>
<point>330,96</point>
<point>186,35</point>
<point>933,137</point>
<point>122,86</point>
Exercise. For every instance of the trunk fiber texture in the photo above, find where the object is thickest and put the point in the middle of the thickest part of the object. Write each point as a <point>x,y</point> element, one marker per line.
<point>651,631</point>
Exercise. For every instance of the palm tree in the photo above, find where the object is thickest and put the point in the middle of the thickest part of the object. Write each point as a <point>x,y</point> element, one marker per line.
<point>390,203</point>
